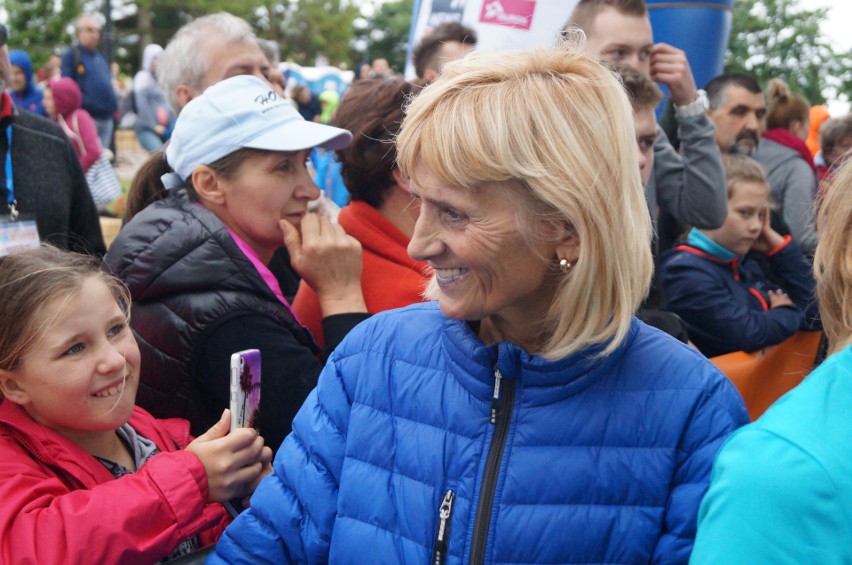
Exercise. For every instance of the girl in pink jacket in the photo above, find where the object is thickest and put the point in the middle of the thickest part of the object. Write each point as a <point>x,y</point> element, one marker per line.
<point>63,102</point>
<point>85,476</point>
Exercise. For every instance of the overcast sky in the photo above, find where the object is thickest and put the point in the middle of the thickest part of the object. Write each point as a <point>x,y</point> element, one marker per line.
<point>837,25</point>
<point>837,28</point>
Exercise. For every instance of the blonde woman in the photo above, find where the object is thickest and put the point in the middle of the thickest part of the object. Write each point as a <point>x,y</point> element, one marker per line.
<point>525,416</point>
<point>782,487</point>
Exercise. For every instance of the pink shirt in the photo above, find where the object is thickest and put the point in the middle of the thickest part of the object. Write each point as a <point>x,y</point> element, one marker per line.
<point>263,270</point>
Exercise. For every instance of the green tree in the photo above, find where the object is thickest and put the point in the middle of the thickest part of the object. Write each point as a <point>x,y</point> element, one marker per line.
<point>306,29</point>
<point>40,27</point>
<point>778,38</point>
<point>156,21</point>
<point>386,33</point>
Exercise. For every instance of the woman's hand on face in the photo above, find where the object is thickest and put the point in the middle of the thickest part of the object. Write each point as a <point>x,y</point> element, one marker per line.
<point>234,462</point>
<point>329,260</point>
<point>778,298</point>
<point>768,239</point>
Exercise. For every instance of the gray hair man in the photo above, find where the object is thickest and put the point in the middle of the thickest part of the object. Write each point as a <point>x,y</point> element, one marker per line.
<point>206,51</point>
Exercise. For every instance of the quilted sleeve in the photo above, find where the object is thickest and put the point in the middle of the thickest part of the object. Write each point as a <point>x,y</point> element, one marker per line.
<point>717,413</point>
<point>691,185</point>
<point>138,518</point>
<point>293,510</point>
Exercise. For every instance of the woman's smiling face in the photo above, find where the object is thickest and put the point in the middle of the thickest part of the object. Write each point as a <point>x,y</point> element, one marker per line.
<point>485,269</point>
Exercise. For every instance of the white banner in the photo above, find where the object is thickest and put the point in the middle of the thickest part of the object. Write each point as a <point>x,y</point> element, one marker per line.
<point>499,24</point>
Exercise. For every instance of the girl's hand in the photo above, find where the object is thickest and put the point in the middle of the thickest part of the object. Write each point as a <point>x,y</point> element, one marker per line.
<point>266,458</point>
<point>768,239</point>
<point>329,260</point>
<point>778,298</point>
<point>233,461</point>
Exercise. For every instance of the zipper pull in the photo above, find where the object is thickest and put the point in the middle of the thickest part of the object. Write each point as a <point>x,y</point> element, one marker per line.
<point>442,535</point>
<point>495,398</point>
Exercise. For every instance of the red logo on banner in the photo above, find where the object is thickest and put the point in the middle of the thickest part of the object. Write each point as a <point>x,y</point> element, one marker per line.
<point>511,13</point>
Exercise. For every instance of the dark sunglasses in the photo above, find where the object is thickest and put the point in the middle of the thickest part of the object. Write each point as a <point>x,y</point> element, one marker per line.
<point>4,35</point>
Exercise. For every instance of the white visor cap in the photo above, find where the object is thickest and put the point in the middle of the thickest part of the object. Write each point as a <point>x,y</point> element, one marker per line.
<point>243,111</point>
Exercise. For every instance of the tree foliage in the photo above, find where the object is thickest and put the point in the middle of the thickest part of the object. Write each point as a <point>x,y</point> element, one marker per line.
<point>778,38</point>
<point>309,28</point>
<point>386,33</point>
<point>41,27</point>
<point>305,29</point>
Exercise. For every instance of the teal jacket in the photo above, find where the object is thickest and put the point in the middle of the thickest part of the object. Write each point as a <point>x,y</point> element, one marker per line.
<point>781,490</point>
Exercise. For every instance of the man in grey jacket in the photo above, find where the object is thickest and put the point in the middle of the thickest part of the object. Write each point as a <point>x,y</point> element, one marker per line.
<point>690,186</point>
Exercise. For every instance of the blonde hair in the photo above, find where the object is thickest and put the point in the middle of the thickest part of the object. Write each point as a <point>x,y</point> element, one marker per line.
<point>742,168</point>
<point>833,259</point>
<point>556,128</point>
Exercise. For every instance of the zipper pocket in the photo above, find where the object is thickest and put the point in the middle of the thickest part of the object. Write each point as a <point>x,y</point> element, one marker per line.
<point>442,534</point>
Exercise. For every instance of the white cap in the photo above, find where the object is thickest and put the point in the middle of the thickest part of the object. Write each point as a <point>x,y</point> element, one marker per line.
<point>242,111</point>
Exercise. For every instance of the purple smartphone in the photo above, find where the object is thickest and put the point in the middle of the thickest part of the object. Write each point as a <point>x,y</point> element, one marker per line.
<point>245,388</point>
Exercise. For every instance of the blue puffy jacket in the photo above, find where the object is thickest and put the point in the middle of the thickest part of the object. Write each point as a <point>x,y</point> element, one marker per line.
<point>403,455</point>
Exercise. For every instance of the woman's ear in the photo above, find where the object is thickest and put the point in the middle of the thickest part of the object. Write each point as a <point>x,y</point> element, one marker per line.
<point>401,181</point>
<point>11,390</point>
<point>569,248</point>
<point>568,245</point>
<point>207,185</point>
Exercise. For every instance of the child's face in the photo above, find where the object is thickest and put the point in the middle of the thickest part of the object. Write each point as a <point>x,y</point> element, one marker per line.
<point>747,209</point>
<point>80,375</point>
<point>47,102</point>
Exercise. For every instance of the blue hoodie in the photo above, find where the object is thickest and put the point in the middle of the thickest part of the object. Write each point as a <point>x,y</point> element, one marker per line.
<point>30,97</point>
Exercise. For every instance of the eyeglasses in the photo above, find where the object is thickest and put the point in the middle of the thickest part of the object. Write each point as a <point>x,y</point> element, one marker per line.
<point>92,29</point>
<point>4,35</point>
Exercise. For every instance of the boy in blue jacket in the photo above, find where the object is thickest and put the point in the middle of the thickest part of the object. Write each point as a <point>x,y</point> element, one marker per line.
<point>719,289</point>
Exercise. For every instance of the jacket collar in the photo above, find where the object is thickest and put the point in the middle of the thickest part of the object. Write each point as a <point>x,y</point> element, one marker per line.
<point>733,264</point>
<point>56,451</point>
<point>52,449</point>
<point>700,241</point>
<point>7,108</point>
<point>552,380</point>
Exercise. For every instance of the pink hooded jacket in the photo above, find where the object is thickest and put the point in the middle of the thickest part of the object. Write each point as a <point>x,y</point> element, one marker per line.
<point>76,122</point>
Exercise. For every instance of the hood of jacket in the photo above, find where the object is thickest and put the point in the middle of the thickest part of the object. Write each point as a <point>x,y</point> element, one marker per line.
<point>149,55</point>
<point>66,96</point>
<point>21,60</point>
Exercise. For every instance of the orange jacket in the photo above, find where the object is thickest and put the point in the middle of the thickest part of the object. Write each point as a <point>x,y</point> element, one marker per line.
<point>390,278</point>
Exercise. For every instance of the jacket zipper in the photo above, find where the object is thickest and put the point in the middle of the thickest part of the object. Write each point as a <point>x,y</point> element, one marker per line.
<point>442,534</point>
<point>500,418</point>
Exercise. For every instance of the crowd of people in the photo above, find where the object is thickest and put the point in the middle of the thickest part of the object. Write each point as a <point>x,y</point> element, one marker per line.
<point>499,350</point>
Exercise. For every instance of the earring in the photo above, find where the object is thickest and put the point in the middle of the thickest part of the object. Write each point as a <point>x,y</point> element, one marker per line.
<point>565,265</point>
